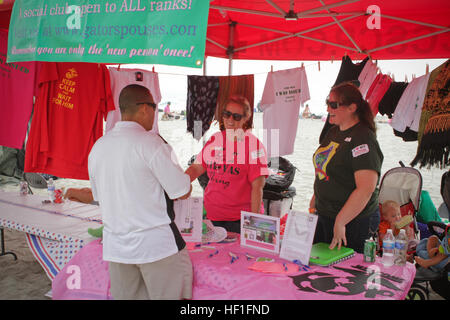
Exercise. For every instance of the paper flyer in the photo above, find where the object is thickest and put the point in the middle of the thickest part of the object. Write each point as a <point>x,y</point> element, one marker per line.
<point>189,217</point>
<point>298,236</point>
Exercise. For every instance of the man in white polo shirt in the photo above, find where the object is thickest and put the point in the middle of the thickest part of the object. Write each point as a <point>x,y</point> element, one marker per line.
<point>135,180</point>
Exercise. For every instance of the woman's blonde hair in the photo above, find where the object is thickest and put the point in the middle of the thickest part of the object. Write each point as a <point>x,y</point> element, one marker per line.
<point>388,205</point>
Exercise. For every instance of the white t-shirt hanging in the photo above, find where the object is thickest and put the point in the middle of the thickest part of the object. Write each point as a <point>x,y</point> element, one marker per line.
<point>124,77</point>
<point>284,92</point>
<point>409,108</point>
<point>366,77</point>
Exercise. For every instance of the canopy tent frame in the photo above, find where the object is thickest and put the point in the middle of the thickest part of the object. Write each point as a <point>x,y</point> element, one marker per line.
<point>339,12</point>
<point>231,49</point>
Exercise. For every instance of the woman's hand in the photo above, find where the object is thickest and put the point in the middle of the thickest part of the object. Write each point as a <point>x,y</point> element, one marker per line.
<point>339,238</point>
<point>366,181</point>
<point>194,171</point>
<point>312,204</point>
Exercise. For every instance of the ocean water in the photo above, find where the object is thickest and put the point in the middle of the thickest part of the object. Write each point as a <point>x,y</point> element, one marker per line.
<point>306,143</point>
<point>307,139</point>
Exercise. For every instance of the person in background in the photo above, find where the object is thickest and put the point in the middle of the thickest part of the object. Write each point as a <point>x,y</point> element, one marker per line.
<point>135,179</point>
<point>347,171</point>
<point>167,114</point>
<point>236,164</point>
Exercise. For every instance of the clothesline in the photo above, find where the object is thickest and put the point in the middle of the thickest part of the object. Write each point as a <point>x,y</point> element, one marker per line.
<point>413,76</point>
<point>119,66</point>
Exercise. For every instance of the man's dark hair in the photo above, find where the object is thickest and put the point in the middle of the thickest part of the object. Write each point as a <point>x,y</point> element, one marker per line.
<point>132,96</point>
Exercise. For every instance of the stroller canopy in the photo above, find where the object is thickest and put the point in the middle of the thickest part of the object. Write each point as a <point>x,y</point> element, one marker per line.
<point>401,185</point>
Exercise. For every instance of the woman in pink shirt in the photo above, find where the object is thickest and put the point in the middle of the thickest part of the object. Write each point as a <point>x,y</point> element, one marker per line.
<point>236,164</point>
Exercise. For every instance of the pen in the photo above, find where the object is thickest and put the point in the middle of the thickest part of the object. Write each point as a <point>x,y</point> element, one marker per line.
<point>213,254</point>
<point>249,257</point>
<point>234,257</point>
<point>301,265</point>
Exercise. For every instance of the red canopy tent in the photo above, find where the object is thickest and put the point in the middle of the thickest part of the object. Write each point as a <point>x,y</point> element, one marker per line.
<point>321,29</point>
<point>327,30</point>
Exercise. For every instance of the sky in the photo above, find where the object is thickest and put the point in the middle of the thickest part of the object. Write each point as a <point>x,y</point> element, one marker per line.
<point>173,81</point>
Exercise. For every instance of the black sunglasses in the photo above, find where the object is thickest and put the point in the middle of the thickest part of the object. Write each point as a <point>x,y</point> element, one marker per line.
<point>333,104</point>
<point>151,104</point>
<point>236,116</point>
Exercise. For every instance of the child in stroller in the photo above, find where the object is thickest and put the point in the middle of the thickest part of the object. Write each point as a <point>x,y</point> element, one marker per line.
<point>433,252</point>
<point>392,219</point>
<point>437,275</point>
<point>399,198</point>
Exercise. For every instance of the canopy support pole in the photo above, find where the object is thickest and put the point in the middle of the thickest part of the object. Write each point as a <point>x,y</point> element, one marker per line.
<point>280,15</point>
<point>204,65</point>
<point>230,49</point>
<point>409,40</point>
<point>297,34</point>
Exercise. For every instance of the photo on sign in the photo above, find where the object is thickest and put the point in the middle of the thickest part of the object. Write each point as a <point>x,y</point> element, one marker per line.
<point>260,231</point>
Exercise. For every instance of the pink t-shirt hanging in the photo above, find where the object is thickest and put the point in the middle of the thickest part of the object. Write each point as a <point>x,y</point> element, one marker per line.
<point>377,90</point>
<point>231,166</point>
<point>17,85</point>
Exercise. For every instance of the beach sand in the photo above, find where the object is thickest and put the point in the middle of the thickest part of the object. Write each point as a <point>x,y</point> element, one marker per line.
<point>25,279</point>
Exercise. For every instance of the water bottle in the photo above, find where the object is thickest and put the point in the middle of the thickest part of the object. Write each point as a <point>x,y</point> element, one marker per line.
<point>51,189</point>
<point>388,249</point>
<point>401,243</point>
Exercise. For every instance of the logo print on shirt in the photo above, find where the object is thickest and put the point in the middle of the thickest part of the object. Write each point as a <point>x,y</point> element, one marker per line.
<point>66,90</point>
<point>360,150</point>
<point>322,157</point>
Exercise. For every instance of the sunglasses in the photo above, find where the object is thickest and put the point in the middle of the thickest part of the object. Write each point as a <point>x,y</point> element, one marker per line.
<point>236,116</point>
<point>334,104</point>
<point>151,104</point>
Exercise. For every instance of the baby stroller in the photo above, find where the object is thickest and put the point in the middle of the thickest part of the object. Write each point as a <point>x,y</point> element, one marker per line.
<point>426,277</point>
<point>404,186</point>
<point>278,192</point>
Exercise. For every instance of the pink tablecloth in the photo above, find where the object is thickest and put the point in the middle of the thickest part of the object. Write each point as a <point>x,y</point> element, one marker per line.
<point>215,277</point>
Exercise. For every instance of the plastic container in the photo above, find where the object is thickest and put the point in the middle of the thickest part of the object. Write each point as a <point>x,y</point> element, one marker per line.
<point>401,245</point>
<point>51,189</point>
<point>388,249</point>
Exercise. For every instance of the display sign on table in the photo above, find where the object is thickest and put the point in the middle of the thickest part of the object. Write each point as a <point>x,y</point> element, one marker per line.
<point>260,231</point>
<point>298,236</point>
<point>115,31</point>
<point>188,218</point>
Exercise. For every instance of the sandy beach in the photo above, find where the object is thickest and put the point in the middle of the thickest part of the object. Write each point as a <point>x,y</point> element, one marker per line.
<point>25,279</point>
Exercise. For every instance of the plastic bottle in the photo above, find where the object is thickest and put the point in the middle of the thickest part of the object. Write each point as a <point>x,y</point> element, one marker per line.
<point>388,249</point>
<point>51,189</point>
<point>401,243</point>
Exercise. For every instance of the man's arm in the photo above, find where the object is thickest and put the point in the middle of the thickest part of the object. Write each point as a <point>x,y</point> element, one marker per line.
<point>187,195</point>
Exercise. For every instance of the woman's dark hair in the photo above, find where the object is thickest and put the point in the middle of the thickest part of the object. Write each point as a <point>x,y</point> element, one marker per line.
<point>346,94</point>
<point>243,102</point>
